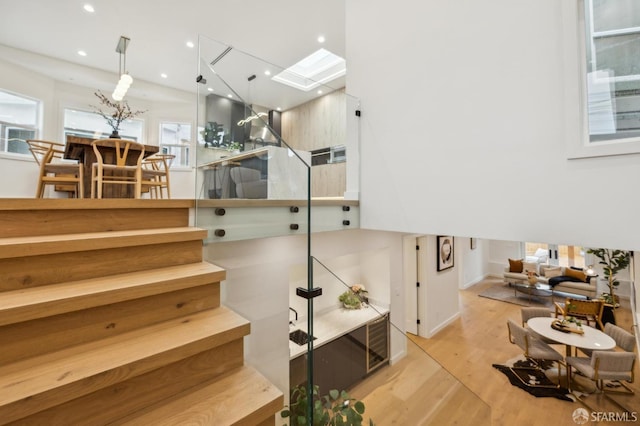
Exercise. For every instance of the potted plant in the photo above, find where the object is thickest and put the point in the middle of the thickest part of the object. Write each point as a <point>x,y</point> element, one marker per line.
<point>354,298</point>
<point>612,261</point>
<point>334,409</point>
<point>211,133</point>
<point>116,113</point>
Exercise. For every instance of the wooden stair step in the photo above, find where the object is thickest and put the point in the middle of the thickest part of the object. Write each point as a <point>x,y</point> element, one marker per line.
<point>39,302</point>
<point>14,247</point>
<point>242,397</point>
<point>38,383</point>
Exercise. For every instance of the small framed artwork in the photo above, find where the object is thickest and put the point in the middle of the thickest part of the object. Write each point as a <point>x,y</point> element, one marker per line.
<point>445,252</point>
<point>473,243</point>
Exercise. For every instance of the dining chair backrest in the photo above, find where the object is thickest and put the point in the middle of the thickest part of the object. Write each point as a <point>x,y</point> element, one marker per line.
<point>625,340</point>
<point>589,310</point>
<point>518,335</point>
<point>121,148</point>
<point>607,364</point>
<point>533,312</point>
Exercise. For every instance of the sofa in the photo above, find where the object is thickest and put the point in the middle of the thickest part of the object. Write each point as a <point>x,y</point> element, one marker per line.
<point>561,279</point>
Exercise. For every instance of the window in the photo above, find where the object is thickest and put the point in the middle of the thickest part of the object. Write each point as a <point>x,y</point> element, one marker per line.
<point>175,139</point>
<point>19,118</point>
<point>92,125</point>
<point>612,29</point>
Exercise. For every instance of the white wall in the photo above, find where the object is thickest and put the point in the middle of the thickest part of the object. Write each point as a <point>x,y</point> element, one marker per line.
<point>56,96</point>
<point>465,108</point>
<point>475,262</point>
<point>438,305</point>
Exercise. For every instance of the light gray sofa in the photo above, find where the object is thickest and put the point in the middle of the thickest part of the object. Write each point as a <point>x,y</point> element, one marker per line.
<point>587,289</point>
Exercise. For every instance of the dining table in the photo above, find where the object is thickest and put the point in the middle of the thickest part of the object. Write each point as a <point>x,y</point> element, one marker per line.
<point>81,149</point>
<point>591,338</point>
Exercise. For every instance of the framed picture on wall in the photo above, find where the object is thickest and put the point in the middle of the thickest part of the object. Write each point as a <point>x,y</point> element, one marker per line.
<point>445,252</point>
<point>473,243</point>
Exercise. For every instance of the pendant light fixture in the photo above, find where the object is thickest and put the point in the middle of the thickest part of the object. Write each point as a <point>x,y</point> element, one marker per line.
<point>125,79</point>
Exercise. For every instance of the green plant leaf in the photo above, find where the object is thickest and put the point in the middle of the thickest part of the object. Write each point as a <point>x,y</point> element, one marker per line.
<point>333,393</point>
<point>359,407</point>
<point>285,413</point>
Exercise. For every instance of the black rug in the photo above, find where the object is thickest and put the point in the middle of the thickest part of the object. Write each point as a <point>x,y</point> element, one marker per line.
<point>533,380</point>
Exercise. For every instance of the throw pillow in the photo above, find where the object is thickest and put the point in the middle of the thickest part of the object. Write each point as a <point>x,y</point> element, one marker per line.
<point>515,265</point>
<point>531,267</point>
<point>575,274</point>
<point>552,272</point>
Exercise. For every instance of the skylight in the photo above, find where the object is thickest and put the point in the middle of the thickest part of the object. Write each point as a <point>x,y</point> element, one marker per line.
<point>318,68</point>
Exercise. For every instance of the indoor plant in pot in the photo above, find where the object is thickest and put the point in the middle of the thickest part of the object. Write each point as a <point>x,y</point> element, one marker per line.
<point>612,261</point>
<point>334,409</point>
<point>355,297</point>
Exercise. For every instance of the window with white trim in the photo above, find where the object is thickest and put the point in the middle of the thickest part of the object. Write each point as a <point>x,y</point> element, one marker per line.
<point>19,121</point>
<point>613,70</point>
<point>91,125</point>
<point>175,139</point>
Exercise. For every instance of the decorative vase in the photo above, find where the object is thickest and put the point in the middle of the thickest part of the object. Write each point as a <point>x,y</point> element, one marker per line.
<point>114,135</point>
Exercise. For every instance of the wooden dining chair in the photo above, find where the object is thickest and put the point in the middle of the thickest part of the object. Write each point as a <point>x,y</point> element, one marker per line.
<point>587,310</point>
<point>155,174</point>
<point>111,167</point>
<point>64,175</point>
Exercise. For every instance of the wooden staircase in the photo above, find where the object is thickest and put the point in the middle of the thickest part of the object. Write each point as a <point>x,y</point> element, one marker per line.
<point>108,315</point>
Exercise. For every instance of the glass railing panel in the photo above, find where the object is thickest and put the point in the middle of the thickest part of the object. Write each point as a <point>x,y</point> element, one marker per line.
<point>360,348</point>
<point>261,140</point>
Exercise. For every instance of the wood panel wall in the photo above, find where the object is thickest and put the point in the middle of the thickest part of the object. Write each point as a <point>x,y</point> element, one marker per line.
<point>320,123</point>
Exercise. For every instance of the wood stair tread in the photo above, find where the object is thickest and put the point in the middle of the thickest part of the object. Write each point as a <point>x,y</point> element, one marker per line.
<point>92,366</point>
<point>13,247</point>
<point>242,397</point>
<point>43,301</point>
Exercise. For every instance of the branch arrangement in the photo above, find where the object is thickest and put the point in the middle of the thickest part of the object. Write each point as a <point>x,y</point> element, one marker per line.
<point>119,111</point>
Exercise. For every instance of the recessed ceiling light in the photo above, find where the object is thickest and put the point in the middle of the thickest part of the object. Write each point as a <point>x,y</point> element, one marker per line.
<point>319,92</point>
<point>210,89</point>
<point>163,75</point>
<point>267,72</point>
<point>279,109</point>
<point>190,44</point>
<point>229,95</point>
<point>321,39</point>
<point>89,8</point>
<point>82,53</point>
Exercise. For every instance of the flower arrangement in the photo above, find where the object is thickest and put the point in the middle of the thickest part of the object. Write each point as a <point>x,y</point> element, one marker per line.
<point>355,297</point>
<point>117,112</point>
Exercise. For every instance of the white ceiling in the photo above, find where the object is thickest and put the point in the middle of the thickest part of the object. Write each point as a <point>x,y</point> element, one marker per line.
<point>281,32</point>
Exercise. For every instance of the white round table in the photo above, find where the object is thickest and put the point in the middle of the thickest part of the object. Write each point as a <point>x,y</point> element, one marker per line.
<point>592,338</point>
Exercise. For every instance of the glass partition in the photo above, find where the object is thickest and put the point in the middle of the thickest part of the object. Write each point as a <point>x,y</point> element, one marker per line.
<point>352,348</point>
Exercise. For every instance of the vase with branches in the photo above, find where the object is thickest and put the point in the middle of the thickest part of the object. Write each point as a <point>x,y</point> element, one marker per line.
<point>115,113</point>
<point>612,261</point>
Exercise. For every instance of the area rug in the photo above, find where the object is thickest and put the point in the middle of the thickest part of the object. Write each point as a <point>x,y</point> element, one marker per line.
<point>523,374</point>
<point>505,293</point>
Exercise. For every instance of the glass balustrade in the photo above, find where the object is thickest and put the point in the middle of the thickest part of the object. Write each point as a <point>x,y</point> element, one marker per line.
<point>277,179</point>
<point>353,346</point>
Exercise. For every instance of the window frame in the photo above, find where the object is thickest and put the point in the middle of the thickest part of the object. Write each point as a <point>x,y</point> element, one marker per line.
<point>189,147</point>
<point>577,134</point>
<point>5,126</point>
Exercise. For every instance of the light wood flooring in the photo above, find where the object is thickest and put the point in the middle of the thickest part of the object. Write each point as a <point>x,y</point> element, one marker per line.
<point>468,390</point>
